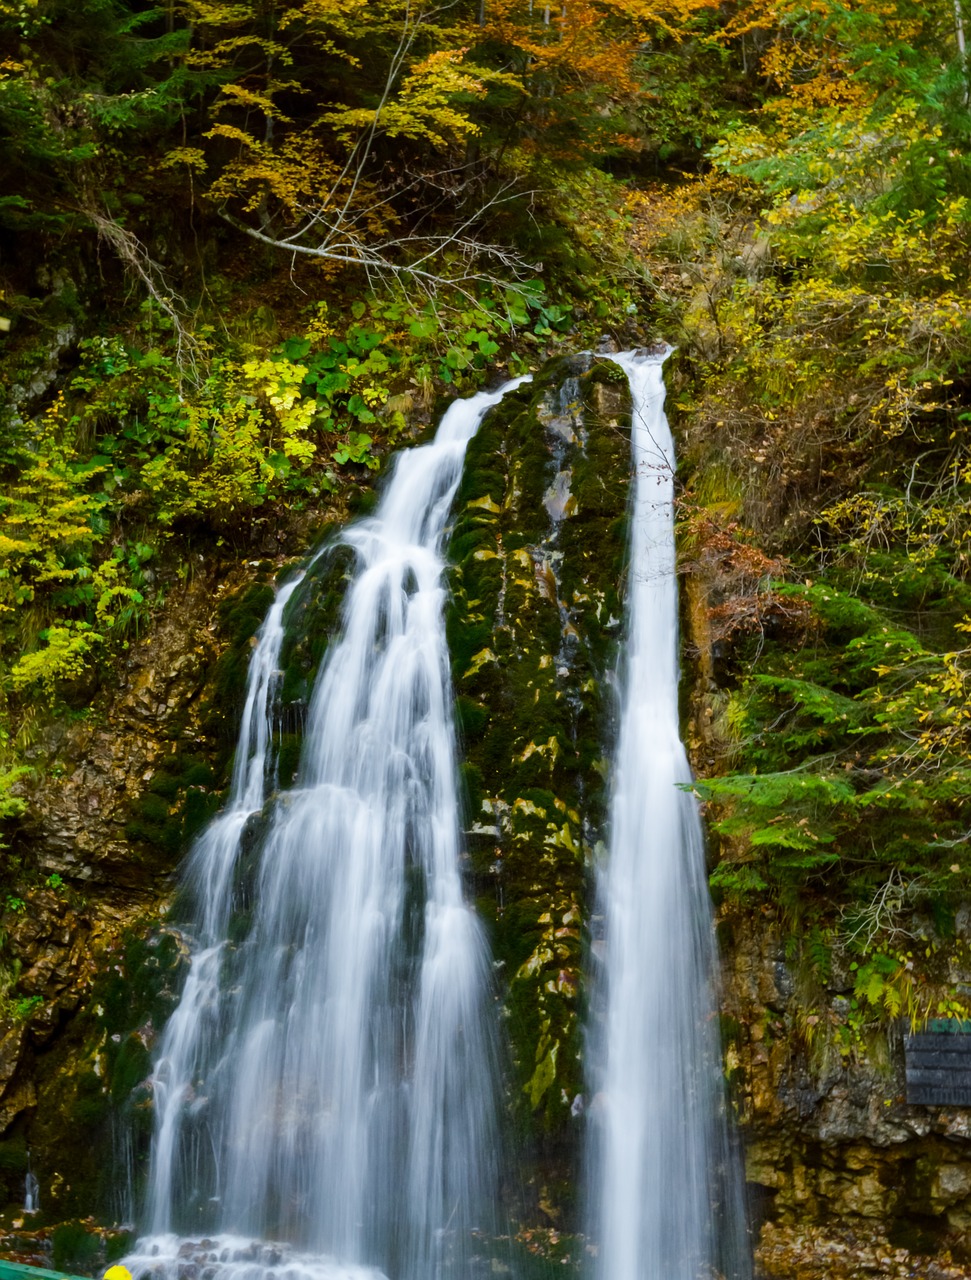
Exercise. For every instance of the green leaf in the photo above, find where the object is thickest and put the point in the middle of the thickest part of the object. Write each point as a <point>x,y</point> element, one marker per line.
<point>357,405</point>
<point>295,348</point>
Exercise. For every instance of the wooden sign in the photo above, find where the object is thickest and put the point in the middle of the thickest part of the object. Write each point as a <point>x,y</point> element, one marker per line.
<point>937,1060</point>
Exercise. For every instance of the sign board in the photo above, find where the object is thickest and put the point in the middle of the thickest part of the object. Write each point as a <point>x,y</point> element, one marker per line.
<point>937,1060</point>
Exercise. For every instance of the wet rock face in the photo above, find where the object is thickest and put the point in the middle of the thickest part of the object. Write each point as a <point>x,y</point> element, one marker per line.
<point>121,786</point>
<point>538,550</point>
<point>118,790</point>
<point>92,769</point>
<point>15,1094</point>
<point>829,1136</point>
<point>813,1253</point>
<point>533,624</point>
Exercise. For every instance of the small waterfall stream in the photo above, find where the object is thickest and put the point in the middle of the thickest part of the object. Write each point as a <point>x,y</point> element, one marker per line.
<point>31,1189</point>
<point>192,1054</point>
<point>664,1189</point>
<point>329,1080</point>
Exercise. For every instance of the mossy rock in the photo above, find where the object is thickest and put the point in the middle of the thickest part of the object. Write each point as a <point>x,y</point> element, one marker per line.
<point>240,618</point>
<point>533,627</point>
<point>178,801</point>
<point>93,1080</point>
<point>312,621</point>
<point>606,372</point>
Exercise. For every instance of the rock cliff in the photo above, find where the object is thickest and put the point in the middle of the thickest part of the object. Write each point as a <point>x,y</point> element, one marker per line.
<point>534,618</point>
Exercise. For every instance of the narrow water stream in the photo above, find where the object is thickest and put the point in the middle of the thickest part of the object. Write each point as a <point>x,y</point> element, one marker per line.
<point>663,1186</point>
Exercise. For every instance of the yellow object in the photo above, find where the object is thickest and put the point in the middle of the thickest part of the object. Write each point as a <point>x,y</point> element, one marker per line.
<point>118,1273</point>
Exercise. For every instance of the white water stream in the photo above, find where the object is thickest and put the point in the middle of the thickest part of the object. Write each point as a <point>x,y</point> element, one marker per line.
<point>329,1081</point>
<point>664,1187</point>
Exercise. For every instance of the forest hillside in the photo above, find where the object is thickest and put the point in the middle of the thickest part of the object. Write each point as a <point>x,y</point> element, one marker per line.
<point>248,248</point>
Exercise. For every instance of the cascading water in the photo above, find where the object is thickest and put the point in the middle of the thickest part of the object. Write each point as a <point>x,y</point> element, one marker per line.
<point>665,1193</point>
<point>31,1190</point>
<point>329,1081</point>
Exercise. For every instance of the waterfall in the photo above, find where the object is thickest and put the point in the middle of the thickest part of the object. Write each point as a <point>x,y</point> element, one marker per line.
<point>665,1193</point>
<point>31,1190</point>
<point>328,1080</point>
<point>192,1054</point>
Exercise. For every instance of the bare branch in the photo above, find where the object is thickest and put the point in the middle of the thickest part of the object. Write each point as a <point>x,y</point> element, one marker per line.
<point>336,223</point>
<point>138,260</point>
<point>408,255</point>
<point>881,914</point>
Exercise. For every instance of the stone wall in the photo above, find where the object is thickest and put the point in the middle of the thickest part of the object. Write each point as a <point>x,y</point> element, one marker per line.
<point>828,1134</point>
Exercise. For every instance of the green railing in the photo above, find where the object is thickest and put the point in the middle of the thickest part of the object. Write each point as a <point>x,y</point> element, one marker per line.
<point>21,1271</point>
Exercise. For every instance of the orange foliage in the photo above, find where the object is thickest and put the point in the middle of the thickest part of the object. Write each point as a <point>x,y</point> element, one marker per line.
<point>583,43</point>
<point>740,578</point>
<point>808,57</point>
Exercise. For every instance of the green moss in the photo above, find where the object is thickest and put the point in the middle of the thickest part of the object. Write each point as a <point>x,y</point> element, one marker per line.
<point>362,502</point>
<point>607,372</point>
<point>89,1113</point>
<point>159,835</point>
<point>199,808</point>
<point>288,757</point>
<point>13,1155</point>
<point>466,639</point>
<point>470,717</point>
<point>467,543</point>
<point>471,793</point>
<point>153,808</point>
<point>197,773</point>
<point>532,628</point>
<point>164,784</point>
<point>483,482</point>
<point>75,1247</point>
<point>132,1064</point>
<point>240,618</point>
<point>239,926</point>
<point>175,806</point>
<point>117,1244</point>
<point>312,620</point>
<point>92,1079</point>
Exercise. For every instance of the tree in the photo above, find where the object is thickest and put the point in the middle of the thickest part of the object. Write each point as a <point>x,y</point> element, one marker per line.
<point>296,149</point>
